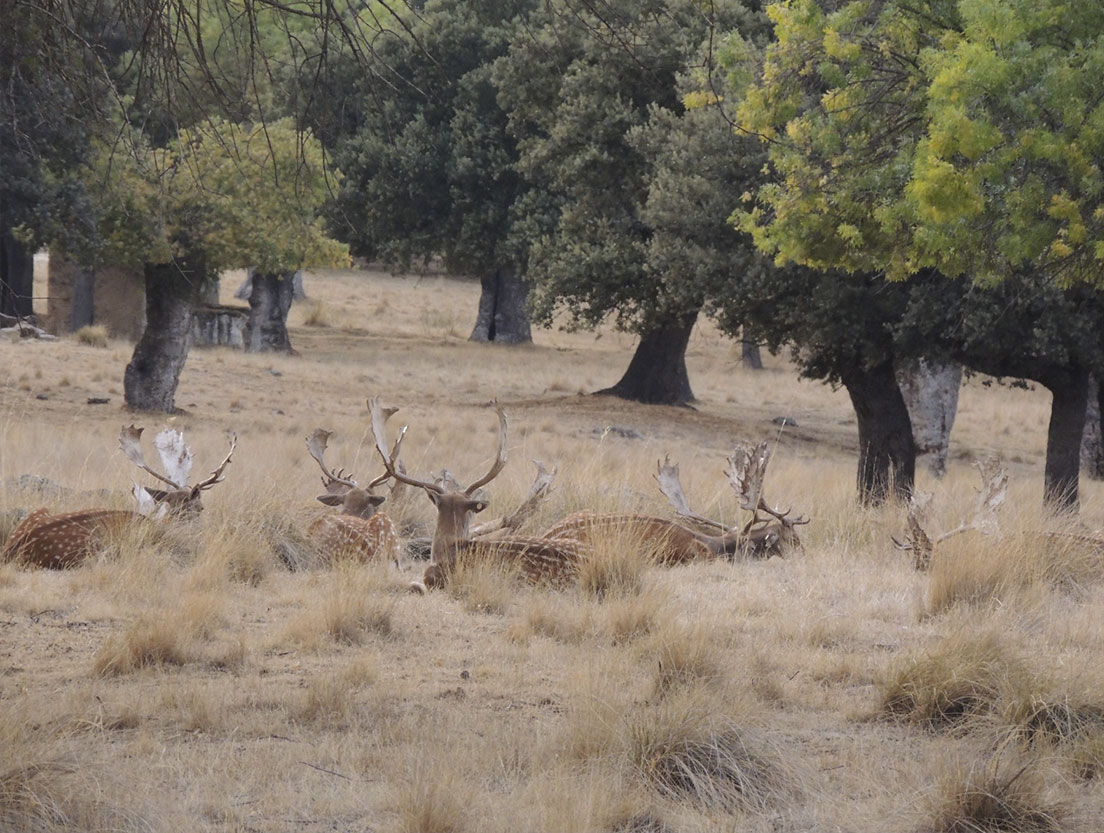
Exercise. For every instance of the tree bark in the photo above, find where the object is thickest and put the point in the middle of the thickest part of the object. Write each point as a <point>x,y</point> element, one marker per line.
<point>750,357</point>
<point>502,317</point>
<point>246,288</point>
<point>931,390</point>
<point>269,301</point>
<point>1070,392</point>
<point>150,381</point>
<point>16,277</point>
<point>1092,441</point>
<point>887,453</point>
<point>657,373</point>
<point>83,312</point>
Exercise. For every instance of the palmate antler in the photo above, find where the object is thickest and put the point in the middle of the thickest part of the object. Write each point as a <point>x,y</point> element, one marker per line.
<point>990,497</point>
<point>667,476</point>
<point>747,467</point>
<point>176,457</point>
<point>538,492</point>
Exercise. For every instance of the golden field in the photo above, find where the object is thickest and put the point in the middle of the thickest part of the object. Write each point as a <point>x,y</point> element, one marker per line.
<point>196,683</point>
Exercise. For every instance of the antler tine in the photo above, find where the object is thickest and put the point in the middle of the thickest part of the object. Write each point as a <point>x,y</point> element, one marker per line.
<point>379,432</point>
<point>667,476</point>
<point>746,475</point>
<point>316,447</point>
<point>216,475</point>
<point>130,441</point>
<point>388,412</point>
<point>500,460</point>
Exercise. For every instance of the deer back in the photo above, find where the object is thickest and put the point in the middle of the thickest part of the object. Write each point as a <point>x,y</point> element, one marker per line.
<point>59,542</point>
<point>364,539</point>
<point>671,542</point>
<point>537,560</point>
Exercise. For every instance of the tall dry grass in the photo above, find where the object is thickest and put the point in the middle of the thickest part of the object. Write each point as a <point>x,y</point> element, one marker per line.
<point>217,677</point>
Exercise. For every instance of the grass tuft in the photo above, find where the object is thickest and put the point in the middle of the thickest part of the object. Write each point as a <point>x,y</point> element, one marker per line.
<point>92,335</point>
<point>998,797</point>
<point>961,677</point>
<point>146,643</point>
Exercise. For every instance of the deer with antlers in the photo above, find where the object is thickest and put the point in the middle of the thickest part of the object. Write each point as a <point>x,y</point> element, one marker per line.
<point>537,559</point>
<point>62,541</point>
<point>677,543</point>
<point>993,491</point>
<point>359,529</point>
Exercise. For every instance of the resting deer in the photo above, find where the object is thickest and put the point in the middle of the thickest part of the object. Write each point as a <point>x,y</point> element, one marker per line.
<point>676,543</point>
<point>61,541</point>
<point>537,559</point>
<point>359,529</point>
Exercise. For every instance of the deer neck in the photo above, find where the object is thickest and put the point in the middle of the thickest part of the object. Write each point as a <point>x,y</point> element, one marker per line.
<point>724,544</point>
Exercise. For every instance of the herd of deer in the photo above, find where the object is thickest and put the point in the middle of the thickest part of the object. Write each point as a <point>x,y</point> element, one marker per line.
<point>66,540</point>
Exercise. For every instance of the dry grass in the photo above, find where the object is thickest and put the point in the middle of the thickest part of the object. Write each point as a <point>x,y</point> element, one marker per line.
<point>92,335</point>
<point>217,677</point>
<point>996,796</point>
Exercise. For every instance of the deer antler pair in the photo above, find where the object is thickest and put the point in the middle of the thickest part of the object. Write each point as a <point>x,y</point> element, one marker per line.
<point>993,491</point>
<point>176,457</point>
<point>747,467</point>
<point>442,485</point>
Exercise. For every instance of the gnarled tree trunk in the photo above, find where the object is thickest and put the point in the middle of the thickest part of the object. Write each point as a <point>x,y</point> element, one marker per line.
<point>750,357</point>
<point>931,395</point>
<point>1092,441</point>
<point>150,381</point>
<point>657,373</point>
<point>887,453</point>
<point>269,301</point>
<point>1070,392</point>
<point>502,317</point>
<point>16,277</point>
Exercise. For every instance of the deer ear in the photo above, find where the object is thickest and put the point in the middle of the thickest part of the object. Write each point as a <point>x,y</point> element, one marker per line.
<point>478,506</point>
<point>434,496</point>
<point>330,500</point>
<point>376,500</point>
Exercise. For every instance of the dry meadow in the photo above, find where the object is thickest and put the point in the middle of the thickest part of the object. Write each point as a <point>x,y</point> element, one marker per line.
<point>196,682</point>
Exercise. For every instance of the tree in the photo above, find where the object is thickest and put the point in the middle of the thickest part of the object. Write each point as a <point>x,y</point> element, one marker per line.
<point>224,196</point>
<point>578,85</point>
<point>430,169</point>
<point>946,137</point>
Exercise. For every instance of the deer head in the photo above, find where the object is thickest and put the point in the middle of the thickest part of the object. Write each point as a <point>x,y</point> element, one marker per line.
<point>341,490</point>
<point>455,503</point>
<point>747,467</point>
<point>176,457</point>
<point>993,491</point>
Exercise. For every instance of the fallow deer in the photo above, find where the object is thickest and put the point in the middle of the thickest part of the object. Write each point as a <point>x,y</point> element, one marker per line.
<point>536,559</point>
<point>359,529</point>
<point>676,543</point>
<point>990,496</point>
<point>62,541</point>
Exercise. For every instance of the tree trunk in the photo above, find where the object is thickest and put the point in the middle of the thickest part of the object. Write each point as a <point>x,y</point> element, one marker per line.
<point>269,301</point>
<point>1070,391</point>
<point>1092,442</point>
<point>502,317</point>
<point>750,357</point>
<point>657,373</point>
<point>246,288</point>
<point>84,298</point>
<point>16,277</point>
<point>887,453</point>
<point>930,390</point>
<point>150,381</point>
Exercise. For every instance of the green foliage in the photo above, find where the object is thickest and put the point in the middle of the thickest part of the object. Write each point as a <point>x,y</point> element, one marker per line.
<point>240,195</point>
<point>591,99</point>
<point>961,136</point>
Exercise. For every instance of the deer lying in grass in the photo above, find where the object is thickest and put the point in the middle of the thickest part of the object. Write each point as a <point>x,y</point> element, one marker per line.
<point>676,543</point>
<point>61,541</point>
<point>993,491</point>
<point>537,559</point>
<point>359,529</point>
